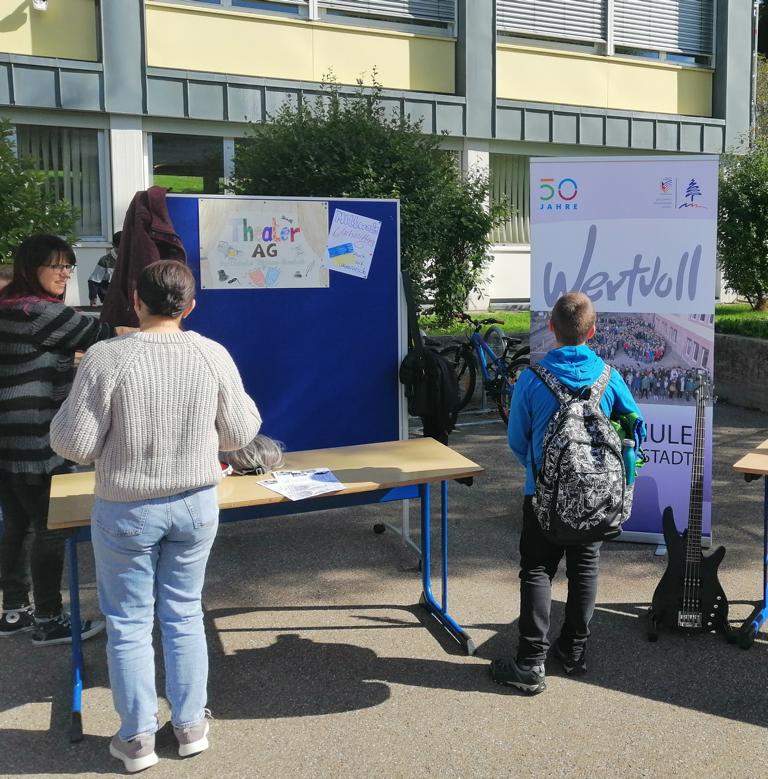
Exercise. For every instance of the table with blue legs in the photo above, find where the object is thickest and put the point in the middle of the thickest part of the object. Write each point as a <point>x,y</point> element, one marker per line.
<point>754,465</point>
<point>370,473</point>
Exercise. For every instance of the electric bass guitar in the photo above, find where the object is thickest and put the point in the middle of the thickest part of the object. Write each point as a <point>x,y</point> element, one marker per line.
<point>689,595</point>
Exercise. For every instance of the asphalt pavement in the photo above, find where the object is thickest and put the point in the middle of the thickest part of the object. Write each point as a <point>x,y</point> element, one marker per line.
<point>323,664</point>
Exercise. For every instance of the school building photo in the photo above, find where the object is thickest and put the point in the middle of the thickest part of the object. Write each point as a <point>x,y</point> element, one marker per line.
<point>382,388</point>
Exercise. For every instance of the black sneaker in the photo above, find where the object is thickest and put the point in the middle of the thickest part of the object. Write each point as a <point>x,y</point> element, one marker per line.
<point>573,664</point>
<point>58,630</point>
<point>13,621</point>
<point>527,678</point>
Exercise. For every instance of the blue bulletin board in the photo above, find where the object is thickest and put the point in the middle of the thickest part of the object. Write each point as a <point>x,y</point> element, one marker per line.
<point>320,363</point>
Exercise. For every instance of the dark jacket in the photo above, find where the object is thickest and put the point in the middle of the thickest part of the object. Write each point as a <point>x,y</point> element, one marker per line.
<point>148,235</point>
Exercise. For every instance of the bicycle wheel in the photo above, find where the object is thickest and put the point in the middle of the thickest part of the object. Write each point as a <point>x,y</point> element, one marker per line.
<point>463,362</point>
<point>496,339</point>
<point>504,399</point>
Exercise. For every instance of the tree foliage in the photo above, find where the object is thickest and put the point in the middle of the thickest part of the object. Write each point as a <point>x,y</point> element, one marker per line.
<point>25,207</point>
<point>352,146</point>
<point>742,237</point>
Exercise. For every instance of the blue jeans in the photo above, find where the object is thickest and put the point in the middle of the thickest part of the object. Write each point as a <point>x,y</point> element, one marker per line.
<point>151,556</point>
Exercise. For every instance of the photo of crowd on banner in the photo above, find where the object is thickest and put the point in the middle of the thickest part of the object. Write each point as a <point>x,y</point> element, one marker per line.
<point>661,357</point>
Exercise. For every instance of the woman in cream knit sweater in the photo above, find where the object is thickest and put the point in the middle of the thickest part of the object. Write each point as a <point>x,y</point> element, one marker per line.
<point>152,410</point>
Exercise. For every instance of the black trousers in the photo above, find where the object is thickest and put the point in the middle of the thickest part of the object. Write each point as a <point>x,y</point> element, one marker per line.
<point>27,546</point>
<point>539,560</point>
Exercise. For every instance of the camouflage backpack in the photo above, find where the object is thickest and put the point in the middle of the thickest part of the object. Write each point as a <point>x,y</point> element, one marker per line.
<point>581,490</point>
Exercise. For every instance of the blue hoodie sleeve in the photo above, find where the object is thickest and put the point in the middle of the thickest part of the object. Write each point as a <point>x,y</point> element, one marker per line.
<point>519,429</point>
<point>622,401</point>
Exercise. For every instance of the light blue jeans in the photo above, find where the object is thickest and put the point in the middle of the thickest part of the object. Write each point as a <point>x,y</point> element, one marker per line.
<point>151,556</point>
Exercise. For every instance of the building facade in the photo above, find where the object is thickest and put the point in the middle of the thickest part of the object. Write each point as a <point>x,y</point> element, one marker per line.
<point>111,96</point>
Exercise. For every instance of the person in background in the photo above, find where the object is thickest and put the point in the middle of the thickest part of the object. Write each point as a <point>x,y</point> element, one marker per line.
<point>153,410</point>
<point>6,276</point>
<point>39,335</point>
<point>98,281</point>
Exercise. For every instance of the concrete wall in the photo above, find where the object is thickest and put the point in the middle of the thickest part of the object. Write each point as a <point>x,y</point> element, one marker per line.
<point>569,78</point>
<point>741,371</point>
<point>226,41</point>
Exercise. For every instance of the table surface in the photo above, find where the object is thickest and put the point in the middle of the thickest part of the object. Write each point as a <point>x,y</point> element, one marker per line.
<point>755,461</point>
<point>359,468</point>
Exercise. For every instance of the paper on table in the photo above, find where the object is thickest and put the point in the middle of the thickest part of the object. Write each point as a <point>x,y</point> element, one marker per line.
<point>351,243</point>
<point>297,485</point>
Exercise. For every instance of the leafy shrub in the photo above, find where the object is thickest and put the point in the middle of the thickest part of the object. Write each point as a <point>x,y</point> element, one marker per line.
<point>351,146</point>
<point>25,207</point>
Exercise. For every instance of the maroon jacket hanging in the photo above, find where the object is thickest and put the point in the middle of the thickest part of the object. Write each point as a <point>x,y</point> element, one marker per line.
<point>148,235</point>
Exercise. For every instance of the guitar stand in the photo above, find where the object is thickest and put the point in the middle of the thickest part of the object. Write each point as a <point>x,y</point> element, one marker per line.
<point>732,636</point>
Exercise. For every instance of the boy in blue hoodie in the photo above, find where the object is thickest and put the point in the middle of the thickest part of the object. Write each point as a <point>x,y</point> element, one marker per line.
<point>533,404</point>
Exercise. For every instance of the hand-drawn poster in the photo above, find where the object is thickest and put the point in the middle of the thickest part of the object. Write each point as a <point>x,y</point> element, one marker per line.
<point>637,235</point>
<point>262,244</point>
<point>351,243</point>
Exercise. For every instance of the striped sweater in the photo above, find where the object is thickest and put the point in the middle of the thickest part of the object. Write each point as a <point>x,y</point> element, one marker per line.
<point>37,344</point>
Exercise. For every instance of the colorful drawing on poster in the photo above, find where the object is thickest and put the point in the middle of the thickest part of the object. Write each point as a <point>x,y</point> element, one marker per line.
<point>262,244</point>
<point>351,243</point>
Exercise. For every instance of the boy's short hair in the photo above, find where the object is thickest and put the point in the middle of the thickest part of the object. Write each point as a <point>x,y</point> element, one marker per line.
<point>572,318</point>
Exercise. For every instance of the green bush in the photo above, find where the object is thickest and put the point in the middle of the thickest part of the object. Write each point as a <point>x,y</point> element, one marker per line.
<point>742,230</point>
<point>25,207</point>
<point>351,146</point>
<point>741,319</point>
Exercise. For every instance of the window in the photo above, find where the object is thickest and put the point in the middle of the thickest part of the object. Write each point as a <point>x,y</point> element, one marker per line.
<point>675,30</point>
<point>676,26</point>
<point>69,156</point>
<point>704,357</point>
<point>674,335</point>
<point>688,347</point>
<point>188,163</point>
<point>414,10</point>
<point>509,181</point>
<point>570,19</point>
<point>696,352</point>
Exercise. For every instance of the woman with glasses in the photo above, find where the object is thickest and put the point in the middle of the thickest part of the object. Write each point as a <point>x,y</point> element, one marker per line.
<point>39,335</point>
<point>152,410</point>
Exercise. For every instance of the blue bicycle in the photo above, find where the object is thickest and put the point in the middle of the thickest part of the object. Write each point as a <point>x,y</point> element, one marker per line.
<point>501,360</point>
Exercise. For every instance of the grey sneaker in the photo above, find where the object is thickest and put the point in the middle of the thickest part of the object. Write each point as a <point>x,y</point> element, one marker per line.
<point>527,678</point>
<point>136,754</point>
<point>58,630</point>
<point>573,664</point>
<point>194,739</point>
<point>13,621</point>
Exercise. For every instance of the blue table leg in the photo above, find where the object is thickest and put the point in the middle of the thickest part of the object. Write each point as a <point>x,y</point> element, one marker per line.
<point>759,615</point>
<point>76,717</point>
<point>427,598</point>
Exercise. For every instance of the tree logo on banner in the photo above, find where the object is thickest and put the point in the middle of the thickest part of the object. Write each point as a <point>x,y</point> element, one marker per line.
<point>693,191</point>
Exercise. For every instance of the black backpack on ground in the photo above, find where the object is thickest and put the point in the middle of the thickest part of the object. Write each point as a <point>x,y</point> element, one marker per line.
<point>431,386</point>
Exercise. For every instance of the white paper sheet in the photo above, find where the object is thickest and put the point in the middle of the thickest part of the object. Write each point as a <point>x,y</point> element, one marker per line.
<point>351,243</point>
<point>298,485</point>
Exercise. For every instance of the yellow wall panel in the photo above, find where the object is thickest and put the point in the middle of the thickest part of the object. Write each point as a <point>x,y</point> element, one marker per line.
<point>254,45</point>
<point>67,29</point>
<point>604,82</point>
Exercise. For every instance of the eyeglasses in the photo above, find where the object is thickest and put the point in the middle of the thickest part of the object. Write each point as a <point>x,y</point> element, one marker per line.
<point>66,268</point>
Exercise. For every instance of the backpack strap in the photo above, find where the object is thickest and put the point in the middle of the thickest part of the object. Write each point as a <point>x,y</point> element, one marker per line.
<point>565,394</point>
<point>562,393</point>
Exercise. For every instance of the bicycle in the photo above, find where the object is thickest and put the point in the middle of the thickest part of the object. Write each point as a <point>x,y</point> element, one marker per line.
<point>501,360</point>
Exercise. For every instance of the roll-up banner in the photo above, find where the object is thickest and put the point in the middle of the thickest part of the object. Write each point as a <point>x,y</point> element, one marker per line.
<point>638,236</point>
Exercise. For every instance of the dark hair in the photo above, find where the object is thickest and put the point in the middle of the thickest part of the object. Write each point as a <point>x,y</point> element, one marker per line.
<point>39,249</point>
<point>166,287</point>
<point>572,318</point>
<point>116,238</point>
